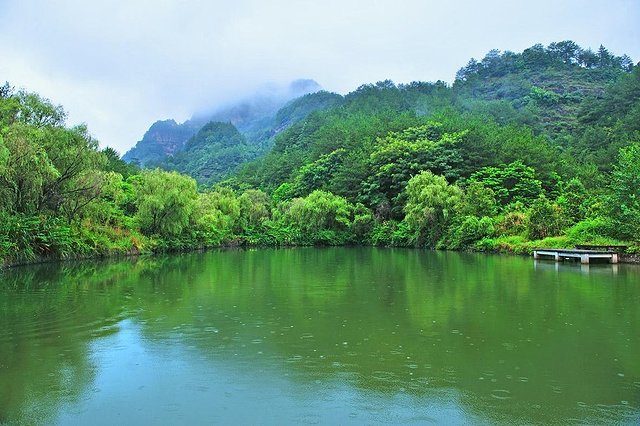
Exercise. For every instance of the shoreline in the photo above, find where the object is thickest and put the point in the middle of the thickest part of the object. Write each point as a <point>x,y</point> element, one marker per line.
<point>624,258</point>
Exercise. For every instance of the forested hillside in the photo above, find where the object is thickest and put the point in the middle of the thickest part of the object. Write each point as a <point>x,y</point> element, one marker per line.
<point>253,116</point>
<point>219,148</point>
<point>539,148</point>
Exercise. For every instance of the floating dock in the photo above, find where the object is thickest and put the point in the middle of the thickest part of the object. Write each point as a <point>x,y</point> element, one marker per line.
<point>585,256</point>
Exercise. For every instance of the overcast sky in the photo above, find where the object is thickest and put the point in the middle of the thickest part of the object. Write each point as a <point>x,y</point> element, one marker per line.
<point>121,65</point>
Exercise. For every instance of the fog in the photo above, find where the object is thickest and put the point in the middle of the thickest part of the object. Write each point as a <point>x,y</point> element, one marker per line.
<point>121,65</point>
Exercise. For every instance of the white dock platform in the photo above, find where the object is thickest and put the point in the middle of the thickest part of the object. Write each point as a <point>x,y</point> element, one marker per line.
<point>584,255</point>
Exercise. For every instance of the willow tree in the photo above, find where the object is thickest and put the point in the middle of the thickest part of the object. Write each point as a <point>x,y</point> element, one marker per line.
<point>164,201</point>
<point>431,205</point>
<point>45,166</point>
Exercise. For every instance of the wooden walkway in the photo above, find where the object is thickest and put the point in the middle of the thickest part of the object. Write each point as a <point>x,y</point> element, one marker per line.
<point>584,255</point>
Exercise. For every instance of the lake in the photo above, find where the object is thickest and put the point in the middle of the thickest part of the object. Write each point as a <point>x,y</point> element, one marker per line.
<point>320,336</point>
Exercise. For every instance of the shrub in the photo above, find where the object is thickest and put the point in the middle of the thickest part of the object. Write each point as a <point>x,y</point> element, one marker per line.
<point>544,219</point>
<point>512,223</point>
<point>468,231</point>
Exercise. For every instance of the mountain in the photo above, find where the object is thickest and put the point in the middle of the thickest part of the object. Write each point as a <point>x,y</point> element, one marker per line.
<point>164,137</point>
<point>549,83</point>
<point>218,148</point>
<point>212,153</point>
<point>550,113</point>
<point>252,116</point>
<point>545,106</point>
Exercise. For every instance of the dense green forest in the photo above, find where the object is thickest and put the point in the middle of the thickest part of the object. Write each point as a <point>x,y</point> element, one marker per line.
<point>539,148</point>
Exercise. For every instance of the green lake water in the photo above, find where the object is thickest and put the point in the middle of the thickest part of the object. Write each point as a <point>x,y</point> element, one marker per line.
<point>320,336</point>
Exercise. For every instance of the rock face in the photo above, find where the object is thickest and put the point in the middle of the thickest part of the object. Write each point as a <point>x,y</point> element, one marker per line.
<point>165,137</point>
<point>252,116</point>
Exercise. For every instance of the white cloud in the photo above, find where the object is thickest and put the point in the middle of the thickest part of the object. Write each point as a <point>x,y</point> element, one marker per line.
<point>120,65</point>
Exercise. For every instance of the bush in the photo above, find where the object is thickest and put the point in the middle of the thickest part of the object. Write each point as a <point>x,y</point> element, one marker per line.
<point>512,223</point>
<point>468,231</point>
<point>544,219</point>
<point>595,231</point>
<point>24,237</point>
<point>391,233</point>
<point>503,244</point>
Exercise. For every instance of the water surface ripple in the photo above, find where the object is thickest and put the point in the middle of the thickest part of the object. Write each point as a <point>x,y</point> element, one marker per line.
<point>320,336</point>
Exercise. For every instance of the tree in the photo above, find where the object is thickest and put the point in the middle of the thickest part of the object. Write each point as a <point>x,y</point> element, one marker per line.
<point>216,215</point>
<point>514,182</point>
<point>254,208</point>
<point>574,200</point>
<point>468,70</point>
<point>567,51</point>
<point>478,201</point>
<point>105,206</point>
<point>74,154</point>
<point>536,57</point>
<point>401,155</point>
<point>47,166</point>
<point>588,59</point>
<point>318,174</point>
<point>468,230</point>
<point>431,205</point>
<point>26,169</point>
<point>115,164</point>
<point>39,112</point>
<point>624,201</point>
<point>321,218</point>
<point>164,201</point>
<point>545,219</point>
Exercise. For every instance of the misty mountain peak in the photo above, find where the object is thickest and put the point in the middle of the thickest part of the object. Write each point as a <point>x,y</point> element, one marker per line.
<point>303,86</point>
<point>253,115</point>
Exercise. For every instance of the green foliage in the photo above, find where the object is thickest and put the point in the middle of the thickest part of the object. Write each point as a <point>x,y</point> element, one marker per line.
<point>255,208</point>
<point>401,155</point>
<point>46,168</point>
<point>469,230</point>
<point>624,200</point>
<point>319,211</point>
<point>164,202</point>
<point>212,154</point>
<point>298,109</point>
<point>574,201</point>
<point>391,233</point>
<point>544,220</point>
<point>504,244</point>
<point>317,174</point>
<point>478,200</point>
<point>512,223</point>
<point>544,97</point>
<point>115,164</point>
<point>30,109</point>
<point>362,225</point>
<point>531,137</point>
<point>216,216</point>
<point>284,192</point>
<point>592,231</point>
<point>27,169</point>
<point>511,183</point>
<point>431,206</point>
